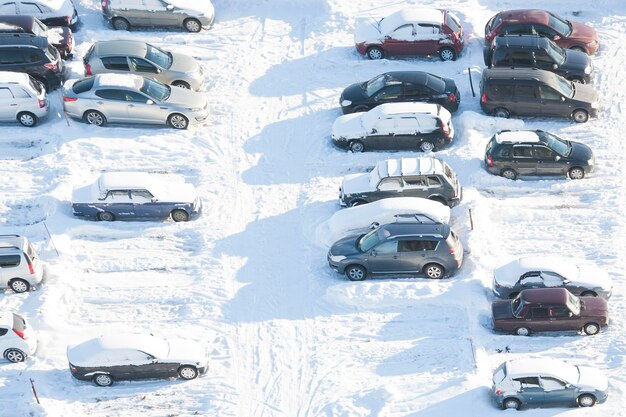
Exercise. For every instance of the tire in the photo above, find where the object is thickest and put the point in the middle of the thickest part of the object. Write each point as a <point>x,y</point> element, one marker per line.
<point>577,80</point>
<point>192,25</point>
<point>178,121</point>
<point>119,23</point>
<point>511,404</point>
<point>105,216</point>
<point>181,84</point>
<point>522,331</point>
<point>591,329</point>
<point>180,216</point>
<point>188,372</point>
<point>509,174</point>
<point>19,285</point>
<point>27,119</point>
<point>356,146</point>
<point>359,109</point>
<point>501,112</point>
<point>588,294</point>
<point>427,146</point>
<point>580,116</point>
<point>357,203</point>
<point>438,200</point>
<point>447,54</point>
<point>513,295</point>
<point>94,117</point>
<point>576,173</point>
<point>433,271</point>
<point>375,53</point>
<point>14,355</point>
<point>355,273</point>
<point>103,380</point>
<point>586,400</point>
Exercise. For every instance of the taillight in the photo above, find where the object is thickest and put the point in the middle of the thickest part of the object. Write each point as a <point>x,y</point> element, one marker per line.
<point>483,98</point>
<point>20,334</point>
<point>88,69</point>
<point>495,283</point>
<point>31,268</point>
<point>445,128</point>
<point>42,103</point>
<point>452,97</point>
<point>69,98</point>
<point>451,251</point>
<point>69,19</point>
<point>73,369</point>
<point>104,4</point>
<point>489,161</point>
<point>52,67</point>
<point>498,392</point>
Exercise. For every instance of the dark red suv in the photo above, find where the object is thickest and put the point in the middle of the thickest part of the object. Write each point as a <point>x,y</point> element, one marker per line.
<point>565,33</point>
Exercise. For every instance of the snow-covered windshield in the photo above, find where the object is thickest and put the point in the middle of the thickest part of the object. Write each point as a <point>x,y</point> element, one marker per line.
<point>375,84</point>
<point>557,144</point>
<point>565,87</point>
<point>159,56</point>
<point>562,26</point>
<point>499,374</point>
<point>516,306</point>
<point>156,90</point>
<point>374,178</point>
<point>370,118</point>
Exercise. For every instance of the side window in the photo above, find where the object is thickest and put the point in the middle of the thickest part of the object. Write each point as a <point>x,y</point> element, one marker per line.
<point>390,92</point>
<point>546,93</point>
<point>118,196</point>
<point>385,126</point>
<point>543,152</point>
<point>503,151</point>
<point>429,244</point>
<point>32,55</point>
<point>542,59</point>
<point>501,91</point>
<point>551,384</point>
<point>552,279</point>
<point>522,151</point>
<point>539,312</point>
<point>8,8</point>
<point>19,92</point>
<point>141,65</point>
<point>116,63</point>
<point>407,125</point>
<point>559,312</point>
<point>10,261</point>
<point>135,97</point>
<point>110,94</point>
<point>403,33</point>
<point>141,196</point>
<point>544,31</point>
<point>387,247</point>
<point>410,246</point>
<point>415,90</point>
<point>531,278</point>
<point>426,31</point>
<point>5,94</point>
<point>11,56</point>
<point>415,182</point>
<point>528,382</point>
<point>3,331</point>
<point>29,9</point>
<point>516,29</point>
<point>388,184</point>
<point>434,181</point>
<point>525,91</point>
<point>519,58</point>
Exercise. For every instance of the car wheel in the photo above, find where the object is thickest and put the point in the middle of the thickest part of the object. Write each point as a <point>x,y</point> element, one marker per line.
<point>433,271</point>
<point>586,400</point>
<point>187,372</point>
<point>576,173</point>
<point>588,294</point>
<point>119,23</point>
<point>357,203</point>
<point>578,48</point>
<point>27,119</point>
<point>511,404</point>
<point>192,25</point>
<point>94,117</point>
<point>577,80</point>
<point>356,273</point>
<point>356,146</point>
<point>178,121</point>
<point>375,52</point>
<point>19,285</point>
<point>447,54</point>
<point>180,216</point>
<point>509,174</point>
<point>580,116</point>
<point>501,112</point>
<point>103,380</point>
<point>438,200</point>
<point>522,331</point>
<point>359,109</point>
<point>181,84</point>
<point>427,146</point>
<point>513,295</point>
<point>105,216</point>
<point>591,329</point>
<point>14,355</point>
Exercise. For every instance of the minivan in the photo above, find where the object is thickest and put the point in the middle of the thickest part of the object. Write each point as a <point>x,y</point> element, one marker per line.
<point>22,98</point>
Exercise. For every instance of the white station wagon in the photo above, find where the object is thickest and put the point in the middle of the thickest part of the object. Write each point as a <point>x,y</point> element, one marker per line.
<point>22,99</point>
<point>17,340</point>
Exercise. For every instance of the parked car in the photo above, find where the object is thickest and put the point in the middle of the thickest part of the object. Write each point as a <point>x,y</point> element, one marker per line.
<point>534,92</point>
<point>549,309</point>
<point>20,267</point>
<point>566,33</point>
<point>536,153</point>
<point>141,58</point>
<point>400,248</point>
<point>530,51</point>
<point>127,357</point>
<point>400,86</point>
<point>22,99</point>
<point>17,340</point>
<point>411,31</point>
<point>51,13</point>
<point>58,36</point>
<point>116,98</point>
<point>547,382</point>
<point>545,271</point>
<point>190,15</point>
<point>136,195</point>
<point>35,57</point>
<point>404,177</point>
<point>416,126</point>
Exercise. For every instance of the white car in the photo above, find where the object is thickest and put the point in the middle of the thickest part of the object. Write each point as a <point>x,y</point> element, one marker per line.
<point>20,267</point>
<point>50,12</point>
<point>17,340</point>
<point>22,99</point>
<point>414,126</point>
<point>545,271</point>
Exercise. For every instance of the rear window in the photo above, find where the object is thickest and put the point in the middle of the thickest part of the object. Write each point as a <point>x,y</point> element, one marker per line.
<point>500,91</point>
<point>10,261</point>
<point>499,374</point>
<point>435,83</point>
<point>36,85</point>
<point>503,151</point>
<point>30,252</point>
<point>52,53</point>
<point>18,322</point>
<point>452,22</point>
<point>449,174</point>
<point>83,85</point>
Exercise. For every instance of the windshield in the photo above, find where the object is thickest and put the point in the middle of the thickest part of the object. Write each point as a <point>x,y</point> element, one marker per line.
<point>516,306</point>
<point>375,84</point>
<point>159,57</point>
<point>39,29</point>
<point>499,374</point>
<point>369,240</point>
<point>556,53</point>
<point>573,303</point>
<point>564,87</point>
<point>562,26</point>
<point>557,144</point>
<point>156,90</point>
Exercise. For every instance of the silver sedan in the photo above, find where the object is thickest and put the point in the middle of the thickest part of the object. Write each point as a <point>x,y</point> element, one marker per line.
<point>132,99</point>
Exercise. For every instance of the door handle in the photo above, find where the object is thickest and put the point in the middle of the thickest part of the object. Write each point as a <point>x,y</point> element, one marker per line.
<point>99,102</point>
<point>163,108</point>
<point>14,104</point>
<point>395,256</point>
<point>131,105</point>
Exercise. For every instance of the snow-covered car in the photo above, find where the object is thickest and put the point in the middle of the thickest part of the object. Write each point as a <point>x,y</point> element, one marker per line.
<point>136,195</point>
<point>411,31</point>
<point>50,12</point>
<point>547,382</point>
<point>127,357</point>
<point>17,340</point>
<point>20,267</point>
<point>545,271</point>
<point>422,177</point>
<point>418,126</point>
<point>131,98</point>
<point>58,36</point>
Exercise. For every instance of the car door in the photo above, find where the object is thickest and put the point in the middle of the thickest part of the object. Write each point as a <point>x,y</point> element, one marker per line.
<point>142,67</point>
<point>415,253</point>
<point>384,258</point>
<point>119,203</point>
<point>426,39</point>
<point>382,135</point>
<point>557,392</point>
<point>531,390</point>
<point>523,160</point>
<point>407,133</point>
<point>112,103</point>
<point>389,94</point>
<point>416,92</point>
<point>415,186</point>
<point>539,319</point>
<point>116,64</point>
<point>399,41</point>
<point>531,279</point>
<point>552,102</point>
<point>547,161</point>
<point>561,319</point>
<point>525,100</point>
<point>161,13</point>
<point>542,60</point>
<point>389,187</point>
<point>144,206</point>
<point>153,367</point>
<point>8,8</point>
<point>136,12</point>
<point>8,105</point>
<point>142,109</point>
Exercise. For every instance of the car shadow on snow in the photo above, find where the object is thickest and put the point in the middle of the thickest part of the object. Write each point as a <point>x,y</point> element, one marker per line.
<point>471,403</point>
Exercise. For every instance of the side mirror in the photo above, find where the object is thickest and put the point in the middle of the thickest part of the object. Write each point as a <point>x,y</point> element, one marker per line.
<point>563,99</point>
<point>149,101</point>
<point>158,70</point>
<point>558,158</point>
<point>570,314</point>
<point>554,66</point>
<point>556,38</point>
<point>387,37</point>
<point>373,253</point>
<point>374,131</point>
<point>374,225</point>
<point>169,7</point>
<point>154,199</point>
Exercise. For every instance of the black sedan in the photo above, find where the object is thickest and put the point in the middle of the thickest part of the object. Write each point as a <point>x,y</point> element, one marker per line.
<point>400,86</point>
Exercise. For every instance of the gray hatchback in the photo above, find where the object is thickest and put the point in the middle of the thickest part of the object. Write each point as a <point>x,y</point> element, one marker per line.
<point>398,249</point>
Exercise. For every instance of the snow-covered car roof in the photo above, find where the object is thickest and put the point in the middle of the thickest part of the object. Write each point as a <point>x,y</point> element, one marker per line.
<point>195,5</point>
<point>513,270</point>
<point>12,241</point>
<point>390,109</point>
<point>13,77</point>
<point>113,347</point>
<point>517,136</point>
<point>410,15</point>
<point>125,181</point>
<point>408,166</point>
<point>6,318</point>
<point>119,80</point>
<point>546,367</point>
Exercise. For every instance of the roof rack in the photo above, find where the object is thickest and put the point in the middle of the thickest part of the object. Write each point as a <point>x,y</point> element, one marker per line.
<point>9,235</point>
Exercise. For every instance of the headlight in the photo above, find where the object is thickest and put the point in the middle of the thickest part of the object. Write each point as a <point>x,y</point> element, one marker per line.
<point>194,108</point>
<point>588,69</point>
<point>345,103</point>
<point>592,43</point>
<point>590,162</point>
<point>337,258</point>
<point>595,105</point>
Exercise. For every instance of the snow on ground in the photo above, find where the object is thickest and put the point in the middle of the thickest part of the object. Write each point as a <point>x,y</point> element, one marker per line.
<point>249,279</point>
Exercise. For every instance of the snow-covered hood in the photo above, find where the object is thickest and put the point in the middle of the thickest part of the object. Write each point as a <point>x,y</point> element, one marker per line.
<point>187,98</point>
<point>356,183</point>
<point>585,93</point>
<point>593,277</point>
<point>177,192</point>
<point>184,63</point>
<point>592,379</point>
<point>367,31</point>
<point>204,7</point>
<point>349,126</point>
<point>186,351</point>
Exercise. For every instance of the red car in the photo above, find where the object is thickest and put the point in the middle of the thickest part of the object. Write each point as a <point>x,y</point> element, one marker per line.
<point>411,31</point>
<point>565,33</point>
